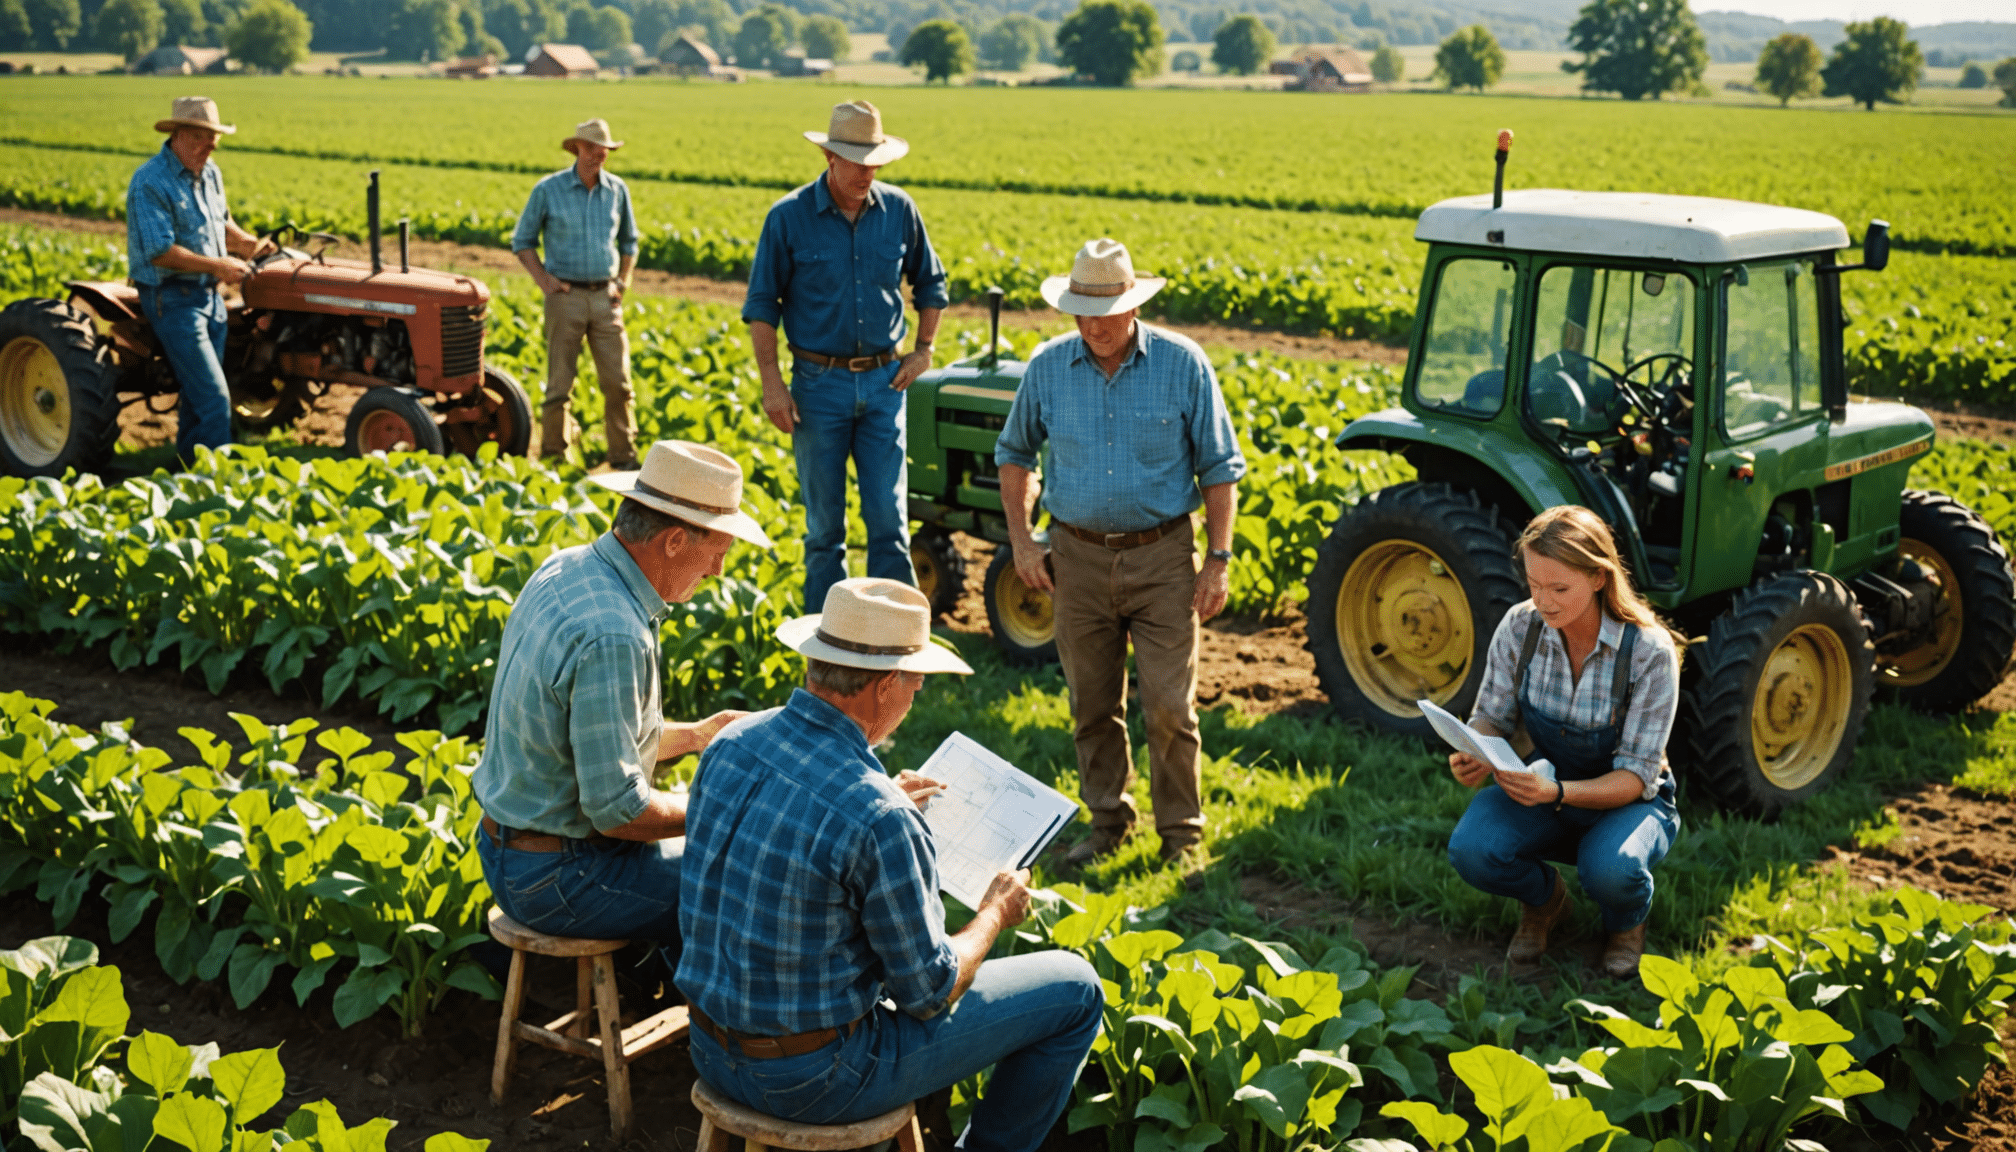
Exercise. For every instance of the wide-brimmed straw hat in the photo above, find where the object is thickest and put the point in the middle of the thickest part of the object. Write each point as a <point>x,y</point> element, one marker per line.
<point>1101,283</point>
<point>856,134</point>
<point>874,623</point>
<point>594,131</point>
<point>693,482</point>
<point>194,112</point>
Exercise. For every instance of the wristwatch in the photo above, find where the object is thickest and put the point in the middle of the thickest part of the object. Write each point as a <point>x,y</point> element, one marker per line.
<point>1224,554</point>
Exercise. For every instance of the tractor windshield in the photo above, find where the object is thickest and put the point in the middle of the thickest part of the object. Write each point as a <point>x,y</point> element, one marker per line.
<point>1602,336</point>
<point>1463,360</point>
<point>1770,347</point>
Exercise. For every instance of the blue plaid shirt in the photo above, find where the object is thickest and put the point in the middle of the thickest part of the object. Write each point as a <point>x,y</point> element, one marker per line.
<point>809,888</point>
<point>837,288</point>
<point>1127,453</point>
<point>586,229</point>
<point>574,713</point>
<point>166,204</point>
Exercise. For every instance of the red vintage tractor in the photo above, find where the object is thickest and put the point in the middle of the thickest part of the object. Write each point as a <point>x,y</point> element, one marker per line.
<point>410,336</point>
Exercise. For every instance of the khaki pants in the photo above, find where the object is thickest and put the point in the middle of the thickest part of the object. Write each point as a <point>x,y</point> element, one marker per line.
<point>1105,598</point>
<point>571,316</point>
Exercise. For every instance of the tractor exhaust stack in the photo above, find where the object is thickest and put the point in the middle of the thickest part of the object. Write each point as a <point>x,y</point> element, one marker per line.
<point>405,244</point>
<point>1498,181</point>
<point>994,295</point>
<point>371,225</point>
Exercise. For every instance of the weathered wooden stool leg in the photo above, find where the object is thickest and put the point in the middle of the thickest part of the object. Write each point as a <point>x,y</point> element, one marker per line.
<point>712,1139</point>
<point>911,1138</point>
<point>613,1059</point>
<point>584,984</point>
<point>751,1144</point>
<point>507,1043</point>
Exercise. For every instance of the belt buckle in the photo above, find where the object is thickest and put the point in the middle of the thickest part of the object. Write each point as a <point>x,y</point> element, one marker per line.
<point>862,364</point>
<point>1113,536</point>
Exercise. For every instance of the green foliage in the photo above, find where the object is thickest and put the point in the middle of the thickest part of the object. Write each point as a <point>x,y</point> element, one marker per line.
<point>941,48</point>
<point>1637,48</point>
<point>59,1014</point>
<point>1519,1106</point>
<point>1388,65</point>
<point>763,38</point>
<point>2005,79</point>
<point>1469,58</point>
<point>424,30</point>
<point>1789,67</point>
<point>272,36</point>
<point>1933,329</point>
<point>825,37</point>
<point>1876,60</point>
<point>183,22</point>
<point>54,23</point>
<point>1973,76</point>
<point>1116,42</point>
<point>130,28</point>
<point>1186,60</point>
<point>1013,42</point>
<point>1242,45</point>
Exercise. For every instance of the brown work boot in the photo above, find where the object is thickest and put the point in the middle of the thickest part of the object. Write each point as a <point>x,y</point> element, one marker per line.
<point>1623,951</point>
<point>1530,942</point>
<point>1096,847</point>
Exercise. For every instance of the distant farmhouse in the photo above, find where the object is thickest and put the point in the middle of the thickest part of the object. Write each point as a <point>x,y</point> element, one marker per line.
<point>563,60</point>
<point>804,66</point>
<point>687,56</point>
<point>474,67</point>
<point>169,60</point>
<point>1324,70</point>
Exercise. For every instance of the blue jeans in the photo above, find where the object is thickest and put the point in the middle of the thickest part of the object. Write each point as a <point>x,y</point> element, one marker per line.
<point>594,889</point>
<point>1032,1017</point>
<point>1500,844</point>
<point>846,414</point>
<point>188,319</point>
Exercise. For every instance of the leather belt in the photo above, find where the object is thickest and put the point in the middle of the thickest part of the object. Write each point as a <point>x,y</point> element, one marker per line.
<point>771,1047</point>
<point>850,363</point>
<point>590,285</point>
<point>524,841</point>
<point>1124,540</point>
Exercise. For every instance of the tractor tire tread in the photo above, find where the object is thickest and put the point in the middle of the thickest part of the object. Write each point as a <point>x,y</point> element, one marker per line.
<point>1980,562</point>
<point>938,544</point>
<point>89,371</point>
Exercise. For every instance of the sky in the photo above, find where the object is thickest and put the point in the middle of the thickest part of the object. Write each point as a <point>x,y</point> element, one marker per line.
<point>1910,11</point>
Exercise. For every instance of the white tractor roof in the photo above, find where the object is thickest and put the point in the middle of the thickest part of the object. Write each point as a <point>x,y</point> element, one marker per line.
<point>1692,229</point>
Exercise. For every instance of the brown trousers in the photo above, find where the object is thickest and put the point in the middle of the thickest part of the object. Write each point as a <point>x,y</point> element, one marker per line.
<point>1106,597</point>
<point>572,316</point>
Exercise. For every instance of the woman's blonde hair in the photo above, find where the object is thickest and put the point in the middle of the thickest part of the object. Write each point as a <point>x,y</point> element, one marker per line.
<point>1575,536</point>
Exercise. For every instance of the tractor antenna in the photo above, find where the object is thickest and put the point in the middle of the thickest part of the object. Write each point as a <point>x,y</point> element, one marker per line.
<point>371,223</point>
<point>994,295</point>
<point>1498,182</point>
<point>405,244</point>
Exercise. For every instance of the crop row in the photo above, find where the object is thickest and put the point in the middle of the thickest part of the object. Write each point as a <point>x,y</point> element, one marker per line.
<point>1940,180</point>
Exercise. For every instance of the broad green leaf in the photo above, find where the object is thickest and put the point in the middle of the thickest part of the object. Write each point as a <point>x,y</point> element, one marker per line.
<point>1133,948</point>
<point>1632,1034</point>
<point>159,1062</point>
<point>1666,978</point>
<point>1101,1111</point>
<point>1169,1103</point>
<point>1558,1125</point>
<point>1437,1127</point>
<point>1503,1081</point>
<point>250,1081</point>
<point>1810,1026</point>
<point>453,1142</point>
<point>365,992</point>
<point>58,1116</point>
<point>195,1122</point>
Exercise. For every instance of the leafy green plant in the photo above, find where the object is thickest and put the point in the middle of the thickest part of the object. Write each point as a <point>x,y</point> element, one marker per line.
<point>59,1014</point>
<point>1520,1107</point>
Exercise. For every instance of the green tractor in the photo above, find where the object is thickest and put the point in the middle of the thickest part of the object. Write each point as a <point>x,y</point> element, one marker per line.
<point>1673,363</point>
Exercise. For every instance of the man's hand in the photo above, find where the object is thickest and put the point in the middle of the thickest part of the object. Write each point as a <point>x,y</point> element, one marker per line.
<point>1008,895</point>
<point>920,789</point>
<point>232,270</point>
<point>1214,583</point>
<point>683,738</point>
<point>616,290</point>
<point>554,286</point>
<point>778,404</point>
<point>1527,788</point>
<point>1032,564</point>
<point>1468,770</point>
<point>910,367</point>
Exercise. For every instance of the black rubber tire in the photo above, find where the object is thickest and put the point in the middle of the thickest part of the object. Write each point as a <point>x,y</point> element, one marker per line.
<point>941,570</point>
<point>1468,536</point>
<point>1019,644</point>
<point>1987,591</point>
<point>401,404</point>
<point>83,438</point>
<point>1713,742</point>
<point>514,433</point>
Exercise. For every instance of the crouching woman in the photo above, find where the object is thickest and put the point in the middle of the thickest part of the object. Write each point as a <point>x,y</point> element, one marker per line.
<point>1595,679</point>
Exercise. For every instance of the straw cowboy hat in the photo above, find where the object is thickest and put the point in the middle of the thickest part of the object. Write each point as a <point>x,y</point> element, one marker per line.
<point>692,482</point>
<point>194,112</point>
<point>1101,283</point>
<point>856,134</point>
<point>872,623</point>
<point>594,131</point>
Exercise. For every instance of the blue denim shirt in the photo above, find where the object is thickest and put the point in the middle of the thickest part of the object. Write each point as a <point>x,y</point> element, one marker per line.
<point>809,889</point>
<point>1126,453</point>
<point>837,287</point>
<point>587,229</point>
<point>166,204</point>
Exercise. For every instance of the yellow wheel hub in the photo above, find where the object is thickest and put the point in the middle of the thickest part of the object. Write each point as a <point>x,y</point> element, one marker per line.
<point>1028,616</point>
<point>34,402</point>
<point>1404,626</point>
<point>1920,664</point>
<point>1801,708</point>
<point>926,569</point>
<point>383,431</point>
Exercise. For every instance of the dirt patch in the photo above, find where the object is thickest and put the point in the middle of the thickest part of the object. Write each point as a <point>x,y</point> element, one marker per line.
<point>1444,959</point>
<point>1957,843</point>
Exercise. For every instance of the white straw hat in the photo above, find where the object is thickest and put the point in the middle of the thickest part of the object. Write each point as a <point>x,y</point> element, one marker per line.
<point>856,134</point>
<point>594,131</point>
<point>193,112</point>
<point>693,482</point>
<point>1101,283</point>
<point>874,623</point>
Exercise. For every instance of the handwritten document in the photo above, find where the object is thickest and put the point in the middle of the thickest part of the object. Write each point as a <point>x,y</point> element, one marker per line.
<point>992,817</point>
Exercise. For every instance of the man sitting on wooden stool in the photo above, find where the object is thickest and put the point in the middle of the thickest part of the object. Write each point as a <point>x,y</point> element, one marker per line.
<point>809,901</point>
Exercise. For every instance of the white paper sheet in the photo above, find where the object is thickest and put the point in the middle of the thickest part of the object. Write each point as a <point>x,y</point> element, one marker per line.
<point>992,817</point>
<point>1493,750</point>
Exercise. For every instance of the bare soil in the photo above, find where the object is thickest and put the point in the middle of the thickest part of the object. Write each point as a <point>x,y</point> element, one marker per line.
<point>1956,843</point>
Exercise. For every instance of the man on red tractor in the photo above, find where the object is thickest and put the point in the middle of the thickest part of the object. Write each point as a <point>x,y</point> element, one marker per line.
<point>181,245</point>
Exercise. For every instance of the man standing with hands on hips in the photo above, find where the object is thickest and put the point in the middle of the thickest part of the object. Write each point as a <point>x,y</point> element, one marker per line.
<point>829,267</point>
<point>1136,426</point>
<point>590,231</point>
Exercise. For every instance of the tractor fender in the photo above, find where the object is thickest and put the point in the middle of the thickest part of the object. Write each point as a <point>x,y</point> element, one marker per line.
<point>1499,468</point>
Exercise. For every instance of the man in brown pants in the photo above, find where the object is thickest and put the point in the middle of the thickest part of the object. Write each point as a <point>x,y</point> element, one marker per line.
<point>1136,426</point>
<point>590,233</point>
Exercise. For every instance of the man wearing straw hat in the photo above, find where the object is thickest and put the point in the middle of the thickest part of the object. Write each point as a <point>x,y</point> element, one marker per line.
<point>181,244</point>
<point>829,267</point>
<point>810,905</point>
<point>575,841</point>
<point>590,233</point>
<point>1139,438</point>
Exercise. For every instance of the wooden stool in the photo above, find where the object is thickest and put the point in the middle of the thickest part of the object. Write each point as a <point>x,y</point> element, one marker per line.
<point>721,1118</point>
<point>595,999</point>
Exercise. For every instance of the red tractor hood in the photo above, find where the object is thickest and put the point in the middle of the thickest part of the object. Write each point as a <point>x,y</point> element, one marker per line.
<point>349,286</point>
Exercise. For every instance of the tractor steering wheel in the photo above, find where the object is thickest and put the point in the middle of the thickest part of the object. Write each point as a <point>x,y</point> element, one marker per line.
<point>279,249</point>
<point>1656,389</point>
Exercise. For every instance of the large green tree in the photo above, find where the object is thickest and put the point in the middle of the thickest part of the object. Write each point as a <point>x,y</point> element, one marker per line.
<point>762,39</point>
<point>652,20</point>
<point>424,30</point>
<point>1789,67</point>
<point>941,48</point>
<point>712,20</point>
<point>1876,60</point>
<point>1469,58</point>
<point>55,23</point>
<point>2005,79</point>
<point>1113,41</point>
<point>1013,41</point>
<point>16,33</point>
<point>1242,45</point>
<point>608,29</point>
<point>182,22</point>
<point>1637,48</point>
<point>1388,66</point>
<point>129,28</point>
<point>272,36</point>
<point>825,38</point>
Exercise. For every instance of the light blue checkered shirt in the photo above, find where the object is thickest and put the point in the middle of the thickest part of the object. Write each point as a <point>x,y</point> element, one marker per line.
<point>166,204</point>
<point>574,711</point>
<point>1127,453</point>
<point>586,229</point>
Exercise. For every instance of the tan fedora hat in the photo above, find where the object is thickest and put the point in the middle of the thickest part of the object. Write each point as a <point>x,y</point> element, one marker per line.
<point>874,623</point>
<point>594,131</point>
<point>194,112</point>
<point>1101,283</point>
<point>856,134</point>
<point>693,482</point>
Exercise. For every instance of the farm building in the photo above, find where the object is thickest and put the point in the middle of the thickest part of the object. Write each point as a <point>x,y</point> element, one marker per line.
<point>1325,70</point>
<point>561,60</point>
<point>475,67</point>
<point>172,59</point>
<point>804,66</point>
<point>688,56</point>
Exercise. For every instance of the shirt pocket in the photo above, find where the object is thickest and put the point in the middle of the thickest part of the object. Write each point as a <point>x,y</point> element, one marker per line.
<point>888,257</point>
<point>1157,438</point>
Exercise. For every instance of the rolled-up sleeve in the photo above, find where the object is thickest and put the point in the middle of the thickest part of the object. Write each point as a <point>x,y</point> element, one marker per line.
<point>150,220</point>
<point>626,226</point>
<point>902,915</point>
<point>769,273</point>
<point>1023,433</point>
<point>532,221</point>
<point>1215,444</point>
<point>607,730</point>
<point>921,265</point>
<point>1655,701</point>
<point>1496,703</point>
